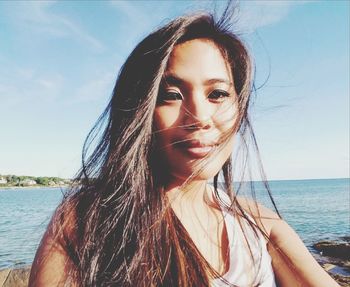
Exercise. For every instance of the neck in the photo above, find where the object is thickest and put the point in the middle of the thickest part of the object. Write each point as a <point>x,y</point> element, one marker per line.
<point>187,194</point>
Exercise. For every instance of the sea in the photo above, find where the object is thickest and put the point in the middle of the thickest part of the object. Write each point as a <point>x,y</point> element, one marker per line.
<point>318,209</point>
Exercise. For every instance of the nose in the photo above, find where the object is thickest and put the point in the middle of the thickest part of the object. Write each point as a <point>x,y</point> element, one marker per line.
<point>197,113</point>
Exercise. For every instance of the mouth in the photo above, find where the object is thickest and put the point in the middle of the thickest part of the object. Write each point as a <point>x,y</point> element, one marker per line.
<point>196,148</point>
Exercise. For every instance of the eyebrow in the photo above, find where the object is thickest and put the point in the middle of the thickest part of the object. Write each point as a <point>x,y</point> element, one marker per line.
<point>171,79</point>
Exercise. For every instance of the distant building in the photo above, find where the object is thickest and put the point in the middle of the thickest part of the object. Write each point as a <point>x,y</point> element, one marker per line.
<point>3,180</point>
<point>28,181</point>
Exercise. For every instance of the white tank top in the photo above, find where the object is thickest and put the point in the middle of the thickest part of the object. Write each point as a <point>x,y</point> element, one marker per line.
<point>243,271</point>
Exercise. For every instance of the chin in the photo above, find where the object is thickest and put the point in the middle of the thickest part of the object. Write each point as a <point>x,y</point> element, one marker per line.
<point>206,171</point>
<point>182,168</point>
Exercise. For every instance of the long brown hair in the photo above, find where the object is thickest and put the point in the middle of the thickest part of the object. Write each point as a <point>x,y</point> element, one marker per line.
<point>124,232</point>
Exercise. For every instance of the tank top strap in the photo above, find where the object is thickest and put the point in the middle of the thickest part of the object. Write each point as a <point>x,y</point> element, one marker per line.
<point>250,262</point>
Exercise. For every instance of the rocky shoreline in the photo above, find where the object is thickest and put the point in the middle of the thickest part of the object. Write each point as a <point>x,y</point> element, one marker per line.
<point>334,257</point>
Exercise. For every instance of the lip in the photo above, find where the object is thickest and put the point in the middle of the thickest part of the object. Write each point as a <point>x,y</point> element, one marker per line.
<point>196,148</point>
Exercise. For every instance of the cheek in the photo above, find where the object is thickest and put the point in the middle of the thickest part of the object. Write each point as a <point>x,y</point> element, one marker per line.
<point>164,121</point>
<point>165,118</point>
<point>225,117</point>
<point>213,165</point>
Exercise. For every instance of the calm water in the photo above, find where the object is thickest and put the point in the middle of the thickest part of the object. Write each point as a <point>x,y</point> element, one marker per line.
<point>317,209</point>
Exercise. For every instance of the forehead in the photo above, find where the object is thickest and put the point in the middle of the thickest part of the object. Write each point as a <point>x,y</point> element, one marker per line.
<point>198,60</point>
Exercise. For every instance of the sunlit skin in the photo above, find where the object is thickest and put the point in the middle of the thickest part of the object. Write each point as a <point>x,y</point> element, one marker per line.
<point>195,111</point>
<point>194,125</point>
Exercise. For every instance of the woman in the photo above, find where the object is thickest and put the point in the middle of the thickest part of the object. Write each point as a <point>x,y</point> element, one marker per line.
<point>141,212</point>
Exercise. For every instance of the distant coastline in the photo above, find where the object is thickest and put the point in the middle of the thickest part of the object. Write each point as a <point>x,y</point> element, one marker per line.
<point>8,187</point>
<point>11,181</point>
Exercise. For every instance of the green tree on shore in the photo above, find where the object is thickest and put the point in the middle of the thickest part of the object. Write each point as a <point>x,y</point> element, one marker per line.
<point>24,180</point>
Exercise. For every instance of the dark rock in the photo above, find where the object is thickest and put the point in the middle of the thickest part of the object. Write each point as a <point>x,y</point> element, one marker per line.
<point>334,257</point>
<point>334,249</point>
<point>345,238</point>
<point>341,280</point>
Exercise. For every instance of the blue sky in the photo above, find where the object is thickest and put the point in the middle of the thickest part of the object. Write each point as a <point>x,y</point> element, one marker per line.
<point>59,61</point>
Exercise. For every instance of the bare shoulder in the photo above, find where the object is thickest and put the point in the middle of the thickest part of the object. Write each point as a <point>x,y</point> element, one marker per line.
<point>52,262</point>
<point>275,227</point>
<point>264,217</point>
<point>292,263</point>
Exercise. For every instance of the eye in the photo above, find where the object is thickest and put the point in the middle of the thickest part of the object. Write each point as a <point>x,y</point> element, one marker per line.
<point>169,96</point>
<point>218,95</point>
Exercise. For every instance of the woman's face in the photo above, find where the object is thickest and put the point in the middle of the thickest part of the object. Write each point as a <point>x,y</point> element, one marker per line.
<point>196,110</point>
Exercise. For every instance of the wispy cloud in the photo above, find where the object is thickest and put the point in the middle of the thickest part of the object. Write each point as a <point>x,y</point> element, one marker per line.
<point>37,16</point>
<point>253,14</point>
<point>133,12</point>
<point>94,89</point>
<point>20,86</point>
<point>26,86</point>
<point>257,14</point>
